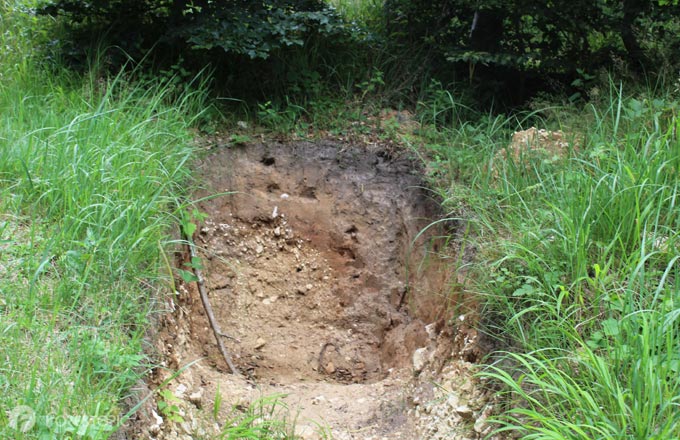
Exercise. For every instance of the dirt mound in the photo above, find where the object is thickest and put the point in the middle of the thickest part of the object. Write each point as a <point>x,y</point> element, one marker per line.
<point>334,292</point>
<point>533,146</point>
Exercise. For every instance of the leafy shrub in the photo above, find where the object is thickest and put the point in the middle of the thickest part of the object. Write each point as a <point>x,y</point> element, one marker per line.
<point>251,28</point>
<point>256,48</point>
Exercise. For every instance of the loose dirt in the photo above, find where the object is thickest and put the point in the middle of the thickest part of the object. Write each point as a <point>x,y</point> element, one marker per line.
<point>328,268</point>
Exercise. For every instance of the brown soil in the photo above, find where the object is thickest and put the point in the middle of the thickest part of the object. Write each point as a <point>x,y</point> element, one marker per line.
<point>336,295</point>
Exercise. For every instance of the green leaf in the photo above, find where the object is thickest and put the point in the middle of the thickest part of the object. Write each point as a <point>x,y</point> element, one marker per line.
<point>596,340</point>
<point>610,327</point>
<point>525,290</point>
<point>196,263</point>
<point>198,215</point>
<point>189,229</point>
<point>187,276</point>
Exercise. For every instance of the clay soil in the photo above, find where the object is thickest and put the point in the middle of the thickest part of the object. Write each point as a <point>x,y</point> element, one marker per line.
<point>335,295</point>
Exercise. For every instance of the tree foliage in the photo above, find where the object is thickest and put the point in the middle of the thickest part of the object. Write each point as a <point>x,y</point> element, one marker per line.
<point>529,37</point>
<point>255,47</point>
<point>256,29</point>
<point>498,46</point>
<point>252,28</point>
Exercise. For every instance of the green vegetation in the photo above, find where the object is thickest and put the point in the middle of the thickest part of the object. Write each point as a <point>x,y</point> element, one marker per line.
<point>265,418</point>
<point>578,250</point>
<point>91,169</point>
<point>579,265</point>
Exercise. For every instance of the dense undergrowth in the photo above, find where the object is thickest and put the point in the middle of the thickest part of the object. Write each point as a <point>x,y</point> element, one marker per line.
<point>577,261</point>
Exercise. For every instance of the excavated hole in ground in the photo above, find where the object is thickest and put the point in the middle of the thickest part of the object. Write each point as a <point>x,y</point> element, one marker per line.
<point>313,263</point>
<point>321,265</point>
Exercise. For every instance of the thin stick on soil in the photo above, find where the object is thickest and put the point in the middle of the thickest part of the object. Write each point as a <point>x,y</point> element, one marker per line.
<point>208,309</point>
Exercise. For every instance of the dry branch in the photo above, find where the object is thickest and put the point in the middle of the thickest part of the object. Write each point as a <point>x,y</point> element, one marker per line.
<point>208,308</point>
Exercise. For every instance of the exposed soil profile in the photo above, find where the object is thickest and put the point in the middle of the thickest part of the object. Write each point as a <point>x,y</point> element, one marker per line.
<point>336,295</point>
<point>310,255</point>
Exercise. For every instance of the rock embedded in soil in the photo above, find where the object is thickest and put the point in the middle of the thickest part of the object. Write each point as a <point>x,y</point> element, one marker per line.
<point>197,397</point>
<point>419,359</point>
<point>330,368</point>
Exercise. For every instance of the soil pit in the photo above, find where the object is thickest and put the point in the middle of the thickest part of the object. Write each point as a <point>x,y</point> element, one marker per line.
<point>318,270</point>
<point>307,261</point>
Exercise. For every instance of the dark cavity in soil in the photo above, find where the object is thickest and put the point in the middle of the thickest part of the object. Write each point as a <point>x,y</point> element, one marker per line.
<point>316,262</point>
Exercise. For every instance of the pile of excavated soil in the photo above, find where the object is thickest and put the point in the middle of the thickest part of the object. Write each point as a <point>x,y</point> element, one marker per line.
<point>335,294</point>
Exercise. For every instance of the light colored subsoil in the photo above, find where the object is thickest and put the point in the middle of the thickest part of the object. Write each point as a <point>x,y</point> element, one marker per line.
<point>318,269</point>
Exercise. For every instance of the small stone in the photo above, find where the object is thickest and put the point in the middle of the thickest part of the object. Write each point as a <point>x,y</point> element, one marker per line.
<point>259,248</point>
<point>480,424</point>
<point>419,359</point>
<point>277,231</point>
<point>252,287</point>
<point>431,330</point>
<point>465,412</point>
<point>260,343</point>
<point>330,368</point>
<point>197,398</point>
<point>309,287</point>
<point>156,427</point>
<point>467,386</point>
<point>305,432</point>
<point>270,300</point>
<point>452,400</point>
<point>186,427</point>
<point>180,390</point>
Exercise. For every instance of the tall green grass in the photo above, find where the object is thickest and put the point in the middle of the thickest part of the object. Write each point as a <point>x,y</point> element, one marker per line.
<point>579,266</point>
<point>364,12</point>
<point>91,169</point>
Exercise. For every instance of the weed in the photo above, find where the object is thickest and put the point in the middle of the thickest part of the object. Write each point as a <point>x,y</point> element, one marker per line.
<point>267,417</point>
<point>168,406</point>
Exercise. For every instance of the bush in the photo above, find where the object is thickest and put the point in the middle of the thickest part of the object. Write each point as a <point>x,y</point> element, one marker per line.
<point>255,47</point>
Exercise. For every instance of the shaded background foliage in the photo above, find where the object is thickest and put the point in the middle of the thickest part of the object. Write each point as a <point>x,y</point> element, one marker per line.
<point>255,48</point>
<point>521,46</point>
<point>503,51</point>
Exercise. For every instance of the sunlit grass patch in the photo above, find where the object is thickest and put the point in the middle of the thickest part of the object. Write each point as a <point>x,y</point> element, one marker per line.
<point>91,171</point>
<point>360,11</point>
